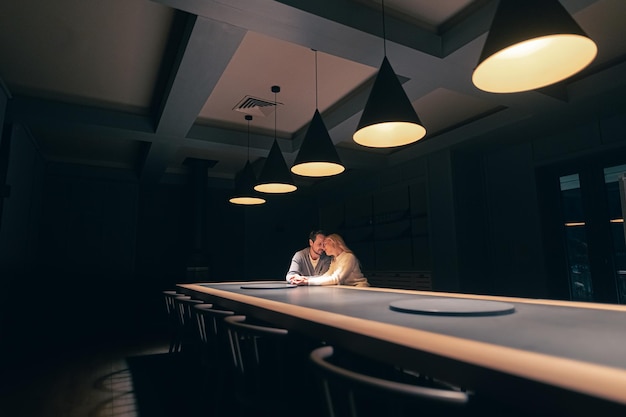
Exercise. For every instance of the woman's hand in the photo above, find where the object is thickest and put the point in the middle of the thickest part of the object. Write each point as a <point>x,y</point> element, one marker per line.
<point>298,280</point>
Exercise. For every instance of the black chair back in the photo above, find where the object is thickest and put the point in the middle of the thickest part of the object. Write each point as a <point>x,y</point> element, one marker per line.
<point>350,392</point>
<point>173,320</point>
<point>213,335</point>
<point>260,361</point>
<point>190,337</point>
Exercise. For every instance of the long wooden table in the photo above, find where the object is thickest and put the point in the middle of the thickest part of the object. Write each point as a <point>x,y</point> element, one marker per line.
<point>565,357</point>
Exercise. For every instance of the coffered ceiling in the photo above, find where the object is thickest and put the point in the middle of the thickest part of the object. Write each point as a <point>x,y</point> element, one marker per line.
<point>143,85</point>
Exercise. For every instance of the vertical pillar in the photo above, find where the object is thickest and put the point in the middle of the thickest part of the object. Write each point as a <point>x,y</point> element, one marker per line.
<point>198,256</point>
<point>6,130</point>
<point>5,148</point>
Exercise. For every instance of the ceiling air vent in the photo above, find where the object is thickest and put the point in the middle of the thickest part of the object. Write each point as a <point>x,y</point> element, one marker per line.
<point>255,106</point>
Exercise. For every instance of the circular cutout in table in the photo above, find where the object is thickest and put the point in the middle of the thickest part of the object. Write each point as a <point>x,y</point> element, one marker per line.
<point>268,286</point>
<point>452,307</point>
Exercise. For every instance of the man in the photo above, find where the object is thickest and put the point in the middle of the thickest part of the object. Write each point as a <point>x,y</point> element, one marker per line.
<point>312,260</point>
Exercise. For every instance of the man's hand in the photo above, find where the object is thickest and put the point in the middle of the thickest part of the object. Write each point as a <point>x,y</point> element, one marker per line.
<point>298,280</point>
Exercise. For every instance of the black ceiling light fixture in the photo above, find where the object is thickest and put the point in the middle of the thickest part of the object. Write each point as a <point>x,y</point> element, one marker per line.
<point>245,194</point>
<point>388,119</point>
<point>275,177</point>
<point>317,156</point>
<point>531,44</point>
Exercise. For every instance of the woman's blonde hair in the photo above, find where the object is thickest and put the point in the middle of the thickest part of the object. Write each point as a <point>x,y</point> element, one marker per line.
<point>338,240</point>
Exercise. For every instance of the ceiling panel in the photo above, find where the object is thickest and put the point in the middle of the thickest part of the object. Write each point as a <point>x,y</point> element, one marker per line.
<point>261,62</point>
<point>430,14</point>
<point>84,74</point>
<point>81,51</point>
<point>605,20</point>
<point>444,108</point>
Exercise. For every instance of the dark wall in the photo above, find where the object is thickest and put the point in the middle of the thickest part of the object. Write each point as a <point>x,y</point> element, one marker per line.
<point>498,219</point>
<point>19,239</point>
<point>104,235</point>
<point>162,240</point>
<point>87,247</point>
<point>243,243</point>
<point>273,233</point>
<point>443,222</point>
<point>472,222</point>
<point>22,207</point>
<point>484,232</point>
<point>97,237</point>
<point>383,217</point>
<point>165,240</point>
<point>515,260</point>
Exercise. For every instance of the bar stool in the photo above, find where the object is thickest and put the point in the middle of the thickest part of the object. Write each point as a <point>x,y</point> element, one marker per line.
<point>215,357</point>
<point>213,335</point>
<point>190,336</point>
<point>261,364</point>
<point>173,321</point>
<point>350,391</point>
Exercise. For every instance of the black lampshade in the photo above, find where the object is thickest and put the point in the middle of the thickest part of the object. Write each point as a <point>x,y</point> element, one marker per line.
<point>317,156</point>
<point>531,44</point>
<point>389,118</point>
<point>245,194</point>
<point>275,176</point>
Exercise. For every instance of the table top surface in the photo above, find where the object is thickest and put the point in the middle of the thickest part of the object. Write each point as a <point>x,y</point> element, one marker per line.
<point>549,340</point>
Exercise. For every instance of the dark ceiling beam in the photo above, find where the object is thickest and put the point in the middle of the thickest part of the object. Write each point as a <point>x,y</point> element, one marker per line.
<point>29,110</point>
<point>598,91</point>
<point>93,121</point>
<point>154,161</point>
<point>331,33</point>
<point>158,148</point>
<point>362,160</point>
<point>206,49</point>
<point>322,23</point>
<point>353,31</point>
<point>369,20</point>
<point>463,31</point>
<point>260,145</point>
<point>204,56</point>
<point>235,138</point>
<point>340,27</point>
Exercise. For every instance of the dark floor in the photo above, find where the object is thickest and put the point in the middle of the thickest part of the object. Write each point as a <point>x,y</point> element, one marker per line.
<point>126,376</point>
<point>130,376</point>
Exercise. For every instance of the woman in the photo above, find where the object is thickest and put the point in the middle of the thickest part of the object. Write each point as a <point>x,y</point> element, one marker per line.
<point>344,267</point>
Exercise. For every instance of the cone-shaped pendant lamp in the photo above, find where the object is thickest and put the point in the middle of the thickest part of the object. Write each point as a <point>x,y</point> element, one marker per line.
<point>317,156</point>
<point>389,118</point>
<point>245,194</point>
<point>531,44</point>
<point>275,177</point>
<point>244,188</point>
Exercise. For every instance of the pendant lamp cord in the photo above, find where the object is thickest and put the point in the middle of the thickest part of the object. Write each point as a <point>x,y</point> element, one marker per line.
<point>275,111</point>
<point>316,105</point>
<point>384,31</point>
<point>249,138</point>
<point>275,89</point>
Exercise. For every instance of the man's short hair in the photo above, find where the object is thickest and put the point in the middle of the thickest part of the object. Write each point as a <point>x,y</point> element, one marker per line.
<point>314,234</point>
